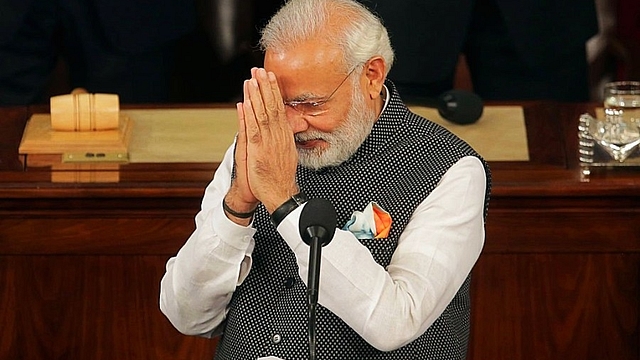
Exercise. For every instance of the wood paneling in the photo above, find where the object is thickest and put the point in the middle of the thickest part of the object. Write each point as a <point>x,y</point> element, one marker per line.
<point>556,306</point>
<point>80,263</point>
<point>88,307</point>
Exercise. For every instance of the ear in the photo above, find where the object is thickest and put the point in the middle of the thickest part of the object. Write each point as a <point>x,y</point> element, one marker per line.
<point>375,72</point>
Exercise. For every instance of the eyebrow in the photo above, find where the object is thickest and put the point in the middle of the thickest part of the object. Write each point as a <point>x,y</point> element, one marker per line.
<point>305,97</point>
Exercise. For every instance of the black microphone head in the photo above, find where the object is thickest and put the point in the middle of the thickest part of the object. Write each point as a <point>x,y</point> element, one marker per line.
<point>318,219</point>
<point>461,107</point>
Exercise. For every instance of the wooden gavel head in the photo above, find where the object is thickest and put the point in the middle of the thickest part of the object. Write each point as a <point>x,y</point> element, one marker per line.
<point>81,111</point>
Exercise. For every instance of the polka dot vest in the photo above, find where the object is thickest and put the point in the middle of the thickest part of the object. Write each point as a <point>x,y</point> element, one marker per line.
<point>397,166</point>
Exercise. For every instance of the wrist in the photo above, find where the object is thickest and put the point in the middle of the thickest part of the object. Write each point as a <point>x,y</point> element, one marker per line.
<point>287,207</point>
<point>236,213</point>
<point>277,197</point>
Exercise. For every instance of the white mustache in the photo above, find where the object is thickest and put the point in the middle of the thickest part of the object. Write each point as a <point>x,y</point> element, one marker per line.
<point>311,135</point>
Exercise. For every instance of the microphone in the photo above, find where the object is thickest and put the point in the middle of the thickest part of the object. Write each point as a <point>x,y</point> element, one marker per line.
<point>317,227</point>
<point>458,106</point>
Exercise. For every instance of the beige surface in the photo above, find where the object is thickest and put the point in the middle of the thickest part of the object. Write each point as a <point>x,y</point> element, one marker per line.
<point>203,135</point>
<point>499,135</point>
<point>181,135</point>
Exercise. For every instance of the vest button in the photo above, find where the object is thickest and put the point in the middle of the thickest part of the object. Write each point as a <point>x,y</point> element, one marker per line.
<point>289,282</point>
<point>276,339</point>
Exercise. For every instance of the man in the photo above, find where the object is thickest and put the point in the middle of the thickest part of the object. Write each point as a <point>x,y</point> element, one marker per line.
<point>321,121</point>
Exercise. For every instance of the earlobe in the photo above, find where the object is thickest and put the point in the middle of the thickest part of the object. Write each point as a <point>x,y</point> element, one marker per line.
<point>375,71</point>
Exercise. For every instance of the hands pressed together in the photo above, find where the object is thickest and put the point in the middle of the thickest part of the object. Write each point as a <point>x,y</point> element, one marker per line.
<point>265,155</point>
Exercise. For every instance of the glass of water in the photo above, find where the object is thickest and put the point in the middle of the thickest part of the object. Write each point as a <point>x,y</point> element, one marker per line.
<point>619,133</point>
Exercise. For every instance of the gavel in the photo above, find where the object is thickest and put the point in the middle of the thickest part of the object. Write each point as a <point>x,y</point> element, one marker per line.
<point>82,111</point>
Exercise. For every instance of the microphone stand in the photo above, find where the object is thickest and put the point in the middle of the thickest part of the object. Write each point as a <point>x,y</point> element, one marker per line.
<point>313,280</point>
<point>317,226</point>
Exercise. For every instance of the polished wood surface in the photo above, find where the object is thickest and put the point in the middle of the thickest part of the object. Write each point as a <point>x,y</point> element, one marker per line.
<point>80,262</point>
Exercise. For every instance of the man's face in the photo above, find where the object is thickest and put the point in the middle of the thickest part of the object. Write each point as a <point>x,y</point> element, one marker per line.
<point>328,109</point>
<point>343,141</point>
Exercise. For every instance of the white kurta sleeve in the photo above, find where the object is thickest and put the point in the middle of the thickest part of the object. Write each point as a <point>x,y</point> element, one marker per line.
<point>199,281</point>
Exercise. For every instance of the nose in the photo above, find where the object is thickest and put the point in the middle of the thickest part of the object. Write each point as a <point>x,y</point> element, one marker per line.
<point>296,120</point>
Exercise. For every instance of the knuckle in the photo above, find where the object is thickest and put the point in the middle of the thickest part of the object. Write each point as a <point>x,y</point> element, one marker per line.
<point>263,120</point>
<point>272,108</point>
<point>254,137</point>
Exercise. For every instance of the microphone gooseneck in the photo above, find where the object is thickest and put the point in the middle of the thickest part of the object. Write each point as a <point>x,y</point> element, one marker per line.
<point>317,227</point>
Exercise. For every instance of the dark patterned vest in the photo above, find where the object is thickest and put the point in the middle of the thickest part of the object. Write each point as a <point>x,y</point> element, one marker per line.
<point>397,166</point>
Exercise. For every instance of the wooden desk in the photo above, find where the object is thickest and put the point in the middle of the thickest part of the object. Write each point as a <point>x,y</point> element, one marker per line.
<point>80,263</point>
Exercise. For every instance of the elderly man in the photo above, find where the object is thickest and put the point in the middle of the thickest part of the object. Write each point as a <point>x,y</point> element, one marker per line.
<point>321,121</point>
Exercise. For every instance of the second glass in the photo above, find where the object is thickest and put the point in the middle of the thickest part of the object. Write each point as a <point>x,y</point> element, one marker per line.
<point>619,133</point>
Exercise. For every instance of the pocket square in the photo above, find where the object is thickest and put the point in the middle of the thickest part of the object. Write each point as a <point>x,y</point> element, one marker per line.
<point>372,222</point>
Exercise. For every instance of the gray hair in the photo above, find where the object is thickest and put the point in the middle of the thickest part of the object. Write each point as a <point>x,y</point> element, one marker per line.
<point>360,35</point>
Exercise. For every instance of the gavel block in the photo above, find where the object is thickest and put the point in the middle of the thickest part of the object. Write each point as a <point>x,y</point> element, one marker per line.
<point>79,124</point>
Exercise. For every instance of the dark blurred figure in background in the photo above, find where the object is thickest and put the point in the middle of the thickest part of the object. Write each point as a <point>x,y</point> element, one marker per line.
<point>213,61</point>
<point>109,46</point>
<point>515,50</point>
<point>201,50</point>
<point>614,54</point>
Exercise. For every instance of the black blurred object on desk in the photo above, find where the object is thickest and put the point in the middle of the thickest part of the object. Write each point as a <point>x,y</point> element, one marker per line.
<point>458,106</point>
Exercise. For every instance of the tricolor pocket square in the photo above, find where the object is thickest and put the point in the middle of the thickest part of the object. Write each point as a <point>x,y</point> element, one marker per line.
<point>372,223</point>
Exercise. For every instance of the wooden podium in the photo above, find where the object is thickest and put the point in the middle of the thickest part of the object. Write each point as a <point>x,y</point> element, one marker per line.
<point>81,263</point>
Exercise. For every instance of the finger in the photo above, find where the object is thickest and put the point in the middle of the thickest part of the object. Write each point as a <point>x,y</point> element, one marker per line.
<point>240,180</point>
<point>275,89</point>
<point>241,145</point>
<point>273,105</point>
<point>257,103</point>
<point>252,129</point>
<point>241,138</point>
<point>247,108</point>
<point>269,97</point>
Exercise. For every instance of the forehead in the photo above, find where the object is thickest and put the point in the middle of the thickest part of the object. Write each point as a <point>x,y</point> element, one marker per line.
<point>305,67</point>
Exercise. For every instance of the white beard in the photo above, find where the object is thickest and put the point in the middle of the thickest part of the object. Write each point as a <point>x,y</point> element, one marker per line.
<point>342,142</point>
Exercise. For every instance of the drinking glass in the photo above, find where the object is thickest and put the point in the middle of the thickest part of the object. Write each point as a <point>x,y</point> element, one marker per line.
<point>619,133</point>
